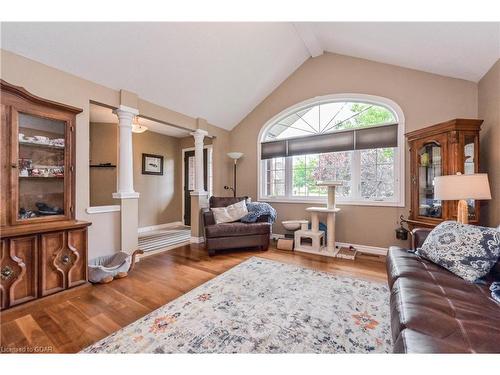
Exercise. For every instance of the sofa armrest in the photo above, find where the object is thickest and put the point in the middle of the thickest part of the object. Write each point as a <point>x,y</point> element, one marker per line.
<point>208,217</point>
<point>418,236</point>
<point>263,219</point>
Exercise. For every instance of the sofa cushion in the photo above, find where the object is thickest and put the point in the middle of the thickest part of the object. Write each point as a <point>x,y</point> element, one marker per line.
<point>433,310</point>
<point>402,262</point>
<point>462,313</point>
<point>237,229</point>
<point>410,341</point>
<point>468,251</point>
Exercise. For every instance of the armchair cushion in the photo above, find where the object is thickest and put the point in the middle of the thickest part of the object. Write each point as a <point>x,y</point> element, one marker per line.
<point>231,213</point>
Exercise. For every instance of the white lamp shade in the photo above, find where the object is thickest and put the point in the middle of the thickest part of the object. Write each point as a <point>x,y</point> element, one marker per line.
<point>138,128</point>
<point>235,155</point>
<point>462,186</point>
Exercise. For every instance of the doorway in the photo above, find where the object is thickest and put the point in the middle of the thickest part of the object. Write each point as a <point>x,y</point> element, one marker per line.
<point>189,179</point>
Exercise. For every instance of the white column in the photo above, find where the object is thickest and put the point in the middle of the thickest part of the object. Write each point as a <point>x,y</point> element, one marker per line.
<point>199,135</point>
<point>125,188</point>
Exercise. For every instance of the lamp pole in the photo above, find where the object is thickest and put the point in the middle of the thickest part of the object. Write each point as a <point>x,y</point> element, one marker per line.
<point>235,156</point>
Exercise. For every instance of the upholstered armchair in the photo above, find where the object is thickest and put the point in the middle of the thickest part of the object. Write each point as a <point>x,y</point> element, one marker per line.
<point>236,234</point>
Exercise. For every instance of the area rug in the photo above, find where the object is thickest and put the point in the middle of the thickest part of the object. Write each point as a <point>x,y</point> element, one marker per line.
<point>263,306</point>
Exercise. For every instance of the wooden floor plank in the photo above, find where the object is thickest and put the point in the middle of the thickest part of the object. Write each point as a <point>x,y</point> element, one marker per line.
<point>72,320</point>
<point>35,336</point>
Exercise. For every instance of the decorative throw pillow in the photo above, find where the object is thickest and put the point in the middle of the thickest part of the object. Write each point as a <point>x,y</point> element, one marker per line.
<point>468,251</point>
<point>230,213</point>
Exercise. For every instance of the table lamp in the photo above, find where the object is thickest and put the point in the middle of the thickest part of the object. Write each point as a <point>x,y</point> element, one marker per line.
<point>461,187</point>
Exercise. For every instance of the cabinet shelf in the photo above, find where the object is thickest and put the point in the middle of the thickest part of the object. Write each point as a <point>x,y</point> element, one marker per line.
<point>102,166</point>
<point>40,177</point>
<point>41,145</point>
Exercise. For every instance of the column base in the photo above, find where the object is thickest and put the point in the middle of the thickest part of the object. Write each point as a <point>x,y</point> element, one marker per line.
<point>126,195</point>
<point>199,201</point>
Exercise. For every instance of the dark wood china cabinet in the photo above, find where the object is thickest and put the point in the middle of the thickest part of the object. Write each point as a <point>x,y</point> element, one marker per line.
<point>43,248</point>
<point>442,149</point>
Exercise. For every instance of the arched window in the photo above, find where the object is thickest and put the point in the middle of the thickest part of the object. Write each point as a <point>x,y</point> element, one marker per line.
<point>352,138</point>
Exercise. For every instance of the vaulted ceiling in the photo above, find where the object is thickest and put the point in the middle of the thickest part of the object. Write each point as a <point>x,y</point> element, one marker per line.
<point>221,71</point>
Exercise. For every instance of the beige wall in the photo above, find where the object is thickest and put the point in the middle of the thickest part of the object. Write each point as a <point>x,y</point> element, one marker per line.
<point>103,149</point>
<point>489,111</point>
<point>160,201</point>
<point>54,84</point>
<point>424,98</point>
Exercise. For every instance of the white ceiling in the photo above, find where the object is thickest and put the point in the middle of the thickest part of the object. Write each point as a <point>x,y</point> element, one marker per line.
<point>221,71</point>
<point>464,50</point>
<point>216,71</point>
<point>105,115</point>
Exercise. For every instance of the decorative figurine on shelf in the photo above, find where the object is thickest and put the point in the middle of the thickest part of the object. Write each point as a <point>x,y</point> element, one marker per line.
<point>45,209</point>
<point>26,214</point>
<point>424,159</point>
<point>58,142</point>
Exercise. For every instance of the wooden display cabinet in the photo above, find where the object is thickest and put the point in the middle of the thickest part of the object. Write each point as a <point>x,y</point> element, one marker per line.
<point>442,149</point>
<point>43,247</point>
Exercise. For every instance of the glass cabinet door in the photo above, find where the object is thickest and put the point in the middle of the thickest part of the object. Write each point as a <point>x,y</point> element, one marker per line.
<point>470,167</point>
<point>41,167</point>
<point>429,166</point>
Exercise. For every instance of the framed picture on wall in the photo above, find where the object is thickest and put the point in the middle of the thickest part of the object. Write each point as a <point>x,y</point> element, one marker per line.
<point>152,164</point>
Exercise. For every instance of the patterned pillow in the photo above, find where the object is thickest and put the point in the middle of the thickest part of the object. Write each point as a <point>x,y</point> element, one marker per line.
<point>466,250</point>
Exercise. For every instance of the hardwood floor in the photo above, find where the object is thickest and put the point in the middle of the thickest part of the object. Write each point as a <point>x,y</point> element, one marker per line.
<point>70,321</point>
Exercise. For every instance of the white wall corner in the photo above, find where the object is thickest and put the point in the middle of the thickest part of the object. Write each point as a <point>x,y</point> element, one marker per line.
<point>308,37</point>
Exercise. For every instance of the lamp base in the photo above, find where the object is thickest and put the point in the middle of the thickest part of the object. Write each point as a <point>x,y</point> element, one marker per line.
<point>463,212</point>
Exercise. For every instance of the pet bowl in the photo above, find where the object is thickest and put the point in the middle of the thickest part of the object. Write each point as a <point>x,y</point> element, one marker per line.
<point>293,225</point>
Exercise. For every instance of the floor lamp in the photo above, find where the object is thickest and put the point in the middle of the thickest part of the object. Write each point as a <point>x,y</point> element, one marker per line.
<point>235,156</point>
<point>461,187</point>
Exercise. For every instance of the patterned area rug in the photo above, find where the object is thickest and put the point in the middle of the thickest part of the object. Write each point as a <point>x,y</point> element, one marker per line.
<point>263,306</point>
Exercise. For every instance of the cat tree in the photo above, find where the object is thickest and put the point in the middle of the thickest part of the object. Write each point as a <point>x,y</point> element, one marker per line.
<point>314,234</point>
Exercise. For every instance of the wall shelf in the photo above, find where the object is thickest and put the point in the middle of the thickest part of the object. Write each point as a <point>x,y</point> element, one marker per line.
<point>102,166</point>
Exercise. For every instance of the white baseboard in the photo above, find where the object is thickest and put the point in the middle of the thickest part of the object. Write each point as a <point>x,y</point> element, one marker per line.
<point>374,250</point>
<point>160,226</point>
<point>197,240</point>
<point>361,248</point>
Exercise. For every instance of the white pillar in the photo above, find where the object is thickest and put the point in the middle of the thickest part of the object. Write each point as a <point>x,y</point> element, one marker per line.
<point>125,188</point>
<point>198,135</point>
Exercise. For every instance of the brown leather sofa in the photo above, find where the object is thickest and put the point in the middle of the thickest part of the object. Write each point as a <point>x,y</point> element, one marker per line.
<point>234,235</point>
<point>435,311</point>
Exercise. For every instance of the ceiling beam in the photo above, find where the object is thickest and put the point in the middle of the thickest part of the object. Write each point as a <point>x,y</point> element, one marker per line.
<point>309,38</point>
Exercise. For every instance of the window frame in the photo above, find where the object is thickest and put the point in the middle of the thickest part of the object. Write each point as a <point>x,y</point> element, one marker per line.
<point>399,156</point>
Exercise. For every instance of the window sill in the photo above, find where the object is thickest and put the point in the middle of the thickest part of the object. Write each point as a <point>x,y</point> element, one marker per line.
<point>103,209</point>
<point>338,202</point>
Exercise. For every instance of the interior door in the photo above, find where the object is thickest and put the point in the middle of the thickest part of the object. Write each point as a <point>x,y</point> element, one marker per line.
<point>189,183</point>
